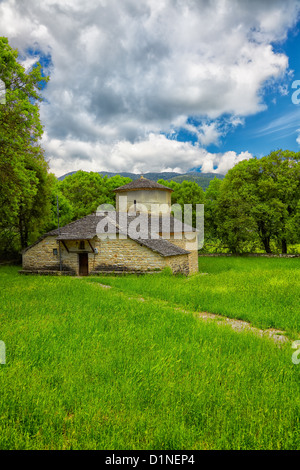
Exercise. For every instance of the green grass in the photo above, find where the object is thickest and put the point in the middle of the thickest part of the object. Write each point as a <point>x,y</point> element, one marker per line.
<point>90,368</point>
<point>262,291</point>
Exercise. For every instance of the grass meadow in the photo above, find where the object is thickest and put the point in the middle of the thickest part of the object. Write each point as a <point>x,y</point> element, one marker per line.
<point>262,291</point>
<point>94,368</point>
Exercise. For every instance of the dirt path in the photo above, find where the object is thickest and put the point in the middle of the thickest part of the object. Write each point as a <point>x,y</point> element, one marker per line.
<point>277,336</point>
<point>239,325</point>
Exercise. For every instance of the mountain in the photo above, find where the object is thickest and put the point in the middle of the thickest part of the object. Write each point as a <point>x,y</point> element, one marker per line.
<point>151,176</point>
<point>202,179</point>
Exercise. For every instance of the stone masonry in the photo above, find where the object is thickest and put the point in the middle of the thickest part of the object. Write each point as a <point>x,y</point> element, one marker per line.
<point>113,254</point>
<point>79,247</point>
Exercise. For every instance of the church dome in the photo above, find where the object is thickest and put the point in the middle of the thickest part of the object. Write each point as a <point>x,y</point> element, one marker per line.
<point>142,183</point>
<point>143,195</point>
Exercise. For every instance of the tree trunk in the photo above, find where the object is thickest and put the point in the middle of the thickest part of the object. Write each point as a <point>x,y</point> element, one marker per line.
<point>266,243</point>
<point>23,231</point>
<point>264,237</point>
<point>283,246</point>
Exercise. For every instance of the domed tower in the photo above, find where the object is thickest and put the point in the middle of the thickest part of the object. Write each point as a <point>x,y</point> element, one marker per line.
<point>143,195</point>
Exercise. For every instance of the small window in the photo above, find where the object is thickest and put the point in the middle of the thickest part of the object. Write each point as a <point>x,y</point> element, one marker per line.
<point>55,251</point>
<point>81,245</point>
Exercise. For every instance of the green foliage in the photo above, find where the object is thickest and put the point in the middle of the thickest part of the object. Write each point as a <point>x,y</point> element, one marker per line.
<point>86,191</point>
<point>66,212</point>
<point>24,196</point>
<point>186,193</point>
<point>202,180</point>
<point>257,204</point>
<point>167,271</point>
<point>212,195</point>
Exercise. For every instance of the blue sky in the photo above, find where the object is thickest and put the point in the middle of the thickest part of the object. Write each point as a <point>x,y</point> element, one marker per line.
<point>166,85</point>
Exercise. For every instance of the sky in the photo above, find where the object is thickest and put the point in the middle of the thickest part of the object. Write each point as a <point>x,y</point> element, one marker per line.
<point>161,85</point>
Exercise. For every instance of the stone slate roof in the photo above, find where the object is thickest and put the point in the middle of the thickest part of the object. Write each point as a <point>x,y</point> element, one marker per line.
<point>142,183</point>
<point>163,247</point>
<point>86,229</point>
<point>159,224</point>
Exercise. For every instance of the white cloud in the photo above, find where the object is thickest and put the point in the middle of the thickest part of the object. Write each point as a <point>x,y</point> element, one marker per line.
<point>124,71</point>
<point>155,153</point>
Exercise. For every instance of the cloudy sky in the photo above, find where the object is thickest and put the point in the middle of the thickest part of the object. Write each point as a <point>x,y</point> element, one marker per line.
<point>161,85</point>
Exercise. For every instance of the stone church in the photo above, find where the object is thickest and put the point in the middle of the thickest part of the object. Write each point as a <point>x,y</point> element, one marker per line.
<point>139,236</point>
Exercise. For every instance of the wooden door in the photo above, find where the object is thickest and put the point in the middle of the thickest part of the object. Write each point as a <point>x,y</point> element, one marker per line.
<point>83,264</point>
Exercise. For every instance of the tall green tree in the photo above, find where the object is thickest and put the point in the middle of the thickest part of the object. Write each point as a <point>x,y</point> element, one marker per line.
<point>281,171</point>
<point>212,195</point>
<point>260,198</point>
<point>24,194</point>
<point>86,191</point>
<point>187,192</point>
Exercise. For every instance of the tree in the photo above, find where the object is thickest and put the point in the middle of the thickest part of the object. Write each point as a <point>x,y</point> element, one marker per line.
<point>281,170</point>
<point>24,192</point>
<point>66,211</point>
<point>233,223</point>
<point>212,195</point>
<point>260,196</point>
<point>187,192</point>
<point>86,191</point>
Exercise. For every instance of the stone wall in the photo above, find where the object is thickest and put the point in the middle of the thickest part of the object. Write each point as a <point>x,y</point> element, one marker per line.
<point>113,254</point>
<point>193,262</point>
<point>129,254</point>
<point>179,264</point>
<point>188,244</point>
<point>40,255</point>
